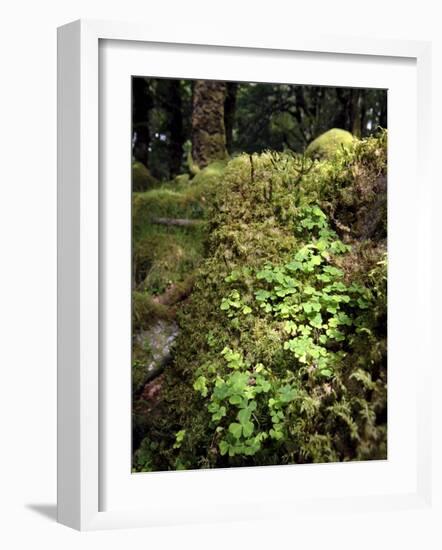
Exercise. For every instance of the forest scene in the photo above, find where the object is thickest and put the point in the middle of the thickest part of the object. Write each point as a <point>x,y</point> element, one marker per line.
<point>259,274</point>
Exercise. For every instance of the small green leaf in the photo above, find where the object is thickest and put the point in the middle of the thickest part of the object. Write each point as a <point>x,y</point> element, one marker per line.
<point>247,429</point>
<point>244,415</point>
<point>326,372</point>
<point>200,385</point>
<point>262,295</point>
<point>235,429</point>
<point>235,399</point>
<point>223,447</point>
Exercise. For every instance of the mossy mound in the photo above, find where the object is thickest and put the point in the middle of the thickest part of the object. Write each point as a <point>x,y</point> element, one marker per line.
<point>180,198</point>
<point>211,174</point>
<point>327,144</point>
<point>166,256</point>
<point>281,356</point>
<point>142,179</point>
<point>352,188</point>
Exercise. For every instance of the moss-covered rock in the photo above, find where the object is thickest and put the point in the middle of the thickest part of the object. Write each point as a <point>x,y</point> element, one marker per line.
<point>142,179</point>
<point>177,199</point>
<point>327,144</point>
<point>352,188</point>
<point>211,175</point>
<point>166,256</point>
<point>182,179</point>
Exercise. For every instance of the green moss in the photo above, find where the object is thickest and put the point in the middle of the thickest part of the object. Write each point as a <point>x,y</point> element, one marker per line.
<point>351,188</point>
<point>253,208</point>
<point>141,177</point>
<point>146,311</point>
<point>211,175</point>
<point>327,144</point>
<point>191,164</point>
<point>253,220</point>
<point>182,179</point>
<point>164,256</point>
<point>177,199</point>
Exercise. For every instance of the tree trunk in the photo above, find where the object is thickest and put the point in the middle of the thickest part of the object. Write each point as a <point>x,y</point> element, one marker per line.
<point>383,113</point>
<point>229,113</point>
<point>356,112</point>
<point>175,128</point>
<point>341,115</point>
<point>141,105</point>
<point>208,129</point>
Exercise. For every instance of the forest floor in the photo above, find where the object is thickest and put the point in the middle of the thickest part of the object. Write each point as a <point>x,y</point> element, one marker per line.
<point>207,254</point>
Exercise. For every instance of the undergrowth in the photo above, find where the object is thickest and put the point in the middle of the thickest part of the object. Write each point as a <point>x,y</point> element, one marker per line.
<point>281,356</point>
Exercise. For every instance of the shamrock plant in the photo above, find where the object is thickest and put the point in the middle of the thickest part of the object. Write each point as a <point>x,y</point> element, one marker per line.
<point>246,405</point>
<point>250,406</point>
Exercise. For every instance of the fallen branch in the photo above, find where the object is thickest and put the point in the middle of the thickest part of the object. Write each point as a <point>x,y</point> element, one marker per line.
<point>175,293</point>
<point>182,222</point>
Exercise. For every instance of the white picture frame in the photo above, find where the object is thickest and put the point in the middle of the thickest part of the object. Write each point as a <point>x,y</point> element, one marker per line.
<point>80,437</point>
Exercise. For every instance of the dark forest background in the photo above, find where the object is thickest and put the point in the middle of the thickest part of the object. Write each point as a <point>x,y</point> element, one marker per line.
<point>255,117</point>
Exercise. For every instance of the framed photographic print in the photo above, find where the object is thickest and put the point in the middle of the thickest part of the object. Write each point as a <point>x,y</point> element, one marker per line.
<point>234,332</point>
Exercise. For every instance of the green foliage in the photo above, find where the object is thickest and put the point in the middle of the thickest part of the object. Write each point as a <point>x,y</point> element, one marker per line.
<point>320,314</point>
<point>284,116</point>
<point>257,116</point>
<point>351,188</point>
<point>281,356</point>
<point>211,174</point>
<point>144,457</point>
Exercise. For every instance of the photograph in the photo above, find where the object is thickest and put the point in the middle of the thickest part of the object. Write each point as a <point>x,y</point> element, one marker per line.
<point>259,274</point>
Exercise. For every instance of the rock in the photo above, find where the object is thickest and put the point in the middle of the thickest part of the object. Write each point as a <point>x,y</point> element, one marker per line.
<point>327,144</point>
<point>159,338</point>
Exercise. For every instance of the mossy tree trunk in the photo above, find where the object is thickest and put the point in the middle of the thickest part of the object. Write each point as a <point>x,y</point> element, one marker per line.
<point>208,128</point>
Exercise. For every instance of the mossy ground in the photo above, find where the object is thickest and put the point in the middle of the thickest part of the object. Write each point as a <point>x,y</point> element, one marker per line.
<point>142,179</point>
<point>165,258</point>
<point>252,210</point>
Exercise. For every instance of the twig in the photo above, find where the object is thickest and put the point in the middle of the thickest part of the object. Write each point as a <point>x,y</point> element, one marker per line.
<point>182,222</point>
<point>252,169</point>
